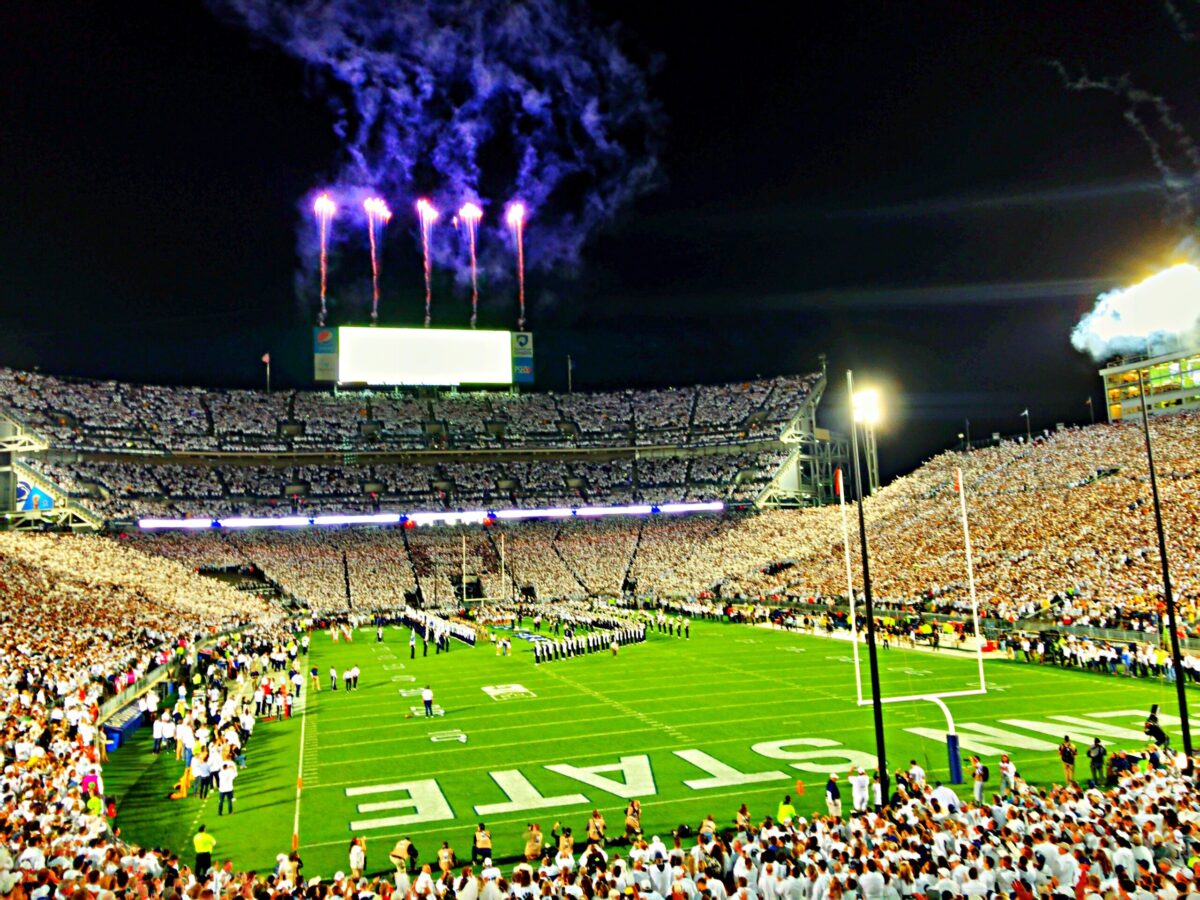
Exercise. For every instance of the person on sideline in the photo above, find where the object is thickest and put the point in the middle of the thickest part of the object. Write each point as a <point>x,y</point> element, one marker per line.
<point>833,796</point>
<point>203,842</point>
<point>1067,753</point>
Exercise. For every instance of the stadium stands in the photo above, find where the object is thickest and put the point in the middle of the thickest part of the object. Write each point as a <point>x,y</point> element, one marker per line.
<point>118,417</point>
<point>1061,526</point>
<point>66,652</point>
<point>1061,529</point>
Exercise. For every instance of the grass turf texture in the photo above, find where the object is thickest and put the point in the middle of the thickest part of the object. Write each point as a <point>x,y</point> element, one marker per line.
<point>724,691</point>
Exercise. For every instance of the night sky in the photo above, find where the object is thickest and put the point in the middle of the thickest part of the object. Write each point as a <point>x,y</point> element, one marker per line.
<point>905,187</point>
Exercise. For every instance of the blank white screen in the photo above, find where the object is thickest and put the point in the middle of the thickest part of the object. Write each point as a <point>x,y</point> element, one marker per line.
<point>423,356</point>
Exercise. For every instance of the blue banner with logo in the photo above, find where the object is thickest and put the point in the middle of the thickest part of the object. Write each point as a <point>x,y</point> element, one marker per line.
<point>31,497</point>
<point>522,357</point>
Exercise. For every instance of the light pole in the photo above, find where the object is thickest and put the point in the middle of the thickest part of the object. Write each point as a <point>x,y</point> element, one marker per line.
<point>870,447</point>
<point>864,408</point>
<point>1028,431</point>
<point>1091,410</point>
<point>1176,657</point>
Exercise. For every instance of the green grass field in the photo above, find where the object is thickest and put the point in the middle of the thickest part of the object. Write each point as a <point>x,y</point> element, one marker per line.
<point>689,727</point>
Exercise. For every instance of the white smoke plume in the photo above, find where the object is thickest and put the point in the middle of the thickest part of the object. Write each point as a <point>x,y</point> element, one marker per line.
<point>1158,315</point>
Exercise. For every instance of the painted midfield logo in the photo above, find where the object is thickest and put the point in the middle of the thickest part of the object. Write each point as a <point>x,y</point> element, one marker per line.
<point>508,692</point>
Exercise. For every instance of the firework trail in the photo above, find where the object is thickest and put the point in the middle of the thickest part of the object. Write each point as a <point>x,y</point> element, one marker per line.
<point>378,215</point>
<point>428,216</point>
<point>324,207</point>
<point>537,99</point>
<point>1182,25</point>
<point>1175,155</point>
<point>470,215</point>
<point>515,218</point>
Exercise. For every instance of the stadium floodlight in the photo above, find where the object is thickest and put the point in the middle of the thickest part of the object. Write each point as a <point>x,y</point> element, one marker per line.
<point>864,411</point>
<point>867,407</point>
<point>867,411</point>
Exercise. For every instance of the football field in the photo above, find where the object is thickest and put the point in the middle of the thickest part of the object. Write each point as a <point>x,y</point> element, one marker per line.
<point>689,727</point>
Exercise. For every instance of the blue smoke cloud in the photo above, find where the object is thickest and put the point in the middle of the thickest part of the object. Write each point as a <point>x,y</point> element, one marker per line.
<point>483,100</point>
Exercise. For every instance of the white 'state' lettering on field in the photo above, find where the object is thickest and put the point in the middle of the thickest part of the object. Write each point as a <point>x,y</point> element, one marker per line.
<point>1138,716</point>
<point>987,740</point>
<point>1057,729</point>
<point>723,775</point>
<point>425,799</point>
<point>637,776</point>
<point>975,737</point>
<point>522,796</point>
<point>815,760</point>
<point>1104,731</point>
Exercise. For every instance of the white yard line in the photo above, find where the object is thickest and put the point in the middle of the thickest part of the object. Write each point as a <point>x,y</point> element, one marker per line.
<point>302,702</point>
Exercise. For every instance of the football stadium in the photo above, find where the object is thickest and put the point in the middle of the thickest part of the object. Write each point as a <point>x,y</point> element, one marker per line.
<point>419,619</point>
<point>284,603</point>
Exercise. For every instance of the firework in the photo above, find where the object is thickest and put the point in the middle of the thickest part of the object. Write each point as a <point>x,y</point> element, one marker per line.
<point>470,214</point>
<point>428,216</point>
<point>324,207</point>
<point>515,217</point>
<point>377,216</point>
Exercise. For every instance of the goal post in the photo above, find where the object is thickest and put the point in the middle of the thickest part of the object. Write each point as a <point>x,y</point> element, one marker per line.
<point>938,698</point>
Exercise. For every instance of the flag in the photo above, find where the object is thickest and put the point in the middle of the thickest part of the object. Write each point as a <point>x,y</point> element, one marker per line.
<point>1026,412</point>
<point>958,481</point>
<point>837,481</point>
<point>267,358</point>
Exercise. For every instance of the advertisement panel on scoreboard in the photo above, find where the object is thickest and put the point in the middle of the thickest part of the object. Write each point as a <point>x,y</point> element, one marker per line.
<point>325,359</point>
<point>423,356</point>
<point>522,357</point>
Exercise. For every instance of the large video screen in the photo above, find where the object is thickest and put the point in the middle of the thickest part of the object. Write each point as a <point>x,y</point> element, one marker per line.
<point>423,356</point>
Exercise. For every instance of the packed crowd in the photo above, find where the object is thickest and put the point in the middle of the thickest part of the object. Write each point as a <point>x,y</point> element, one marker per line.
<point>83,620</point>
<point>127,489</point>
<point>1052,539</point>
<point>1129,659</point>
<point>86,616</point>
<point>114,416</point>
<point>1134,836</point>
<point>1051,535</point>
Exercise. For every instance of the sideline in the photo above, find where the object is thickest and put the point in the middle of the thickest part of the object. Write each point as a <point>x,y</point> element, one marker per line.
<point>966,649</point>
<point>302,702</point>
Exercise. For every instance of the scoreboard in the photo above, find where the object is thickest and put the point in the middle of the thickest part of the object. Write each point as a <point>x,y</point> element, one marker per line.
<point>437,357</point>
